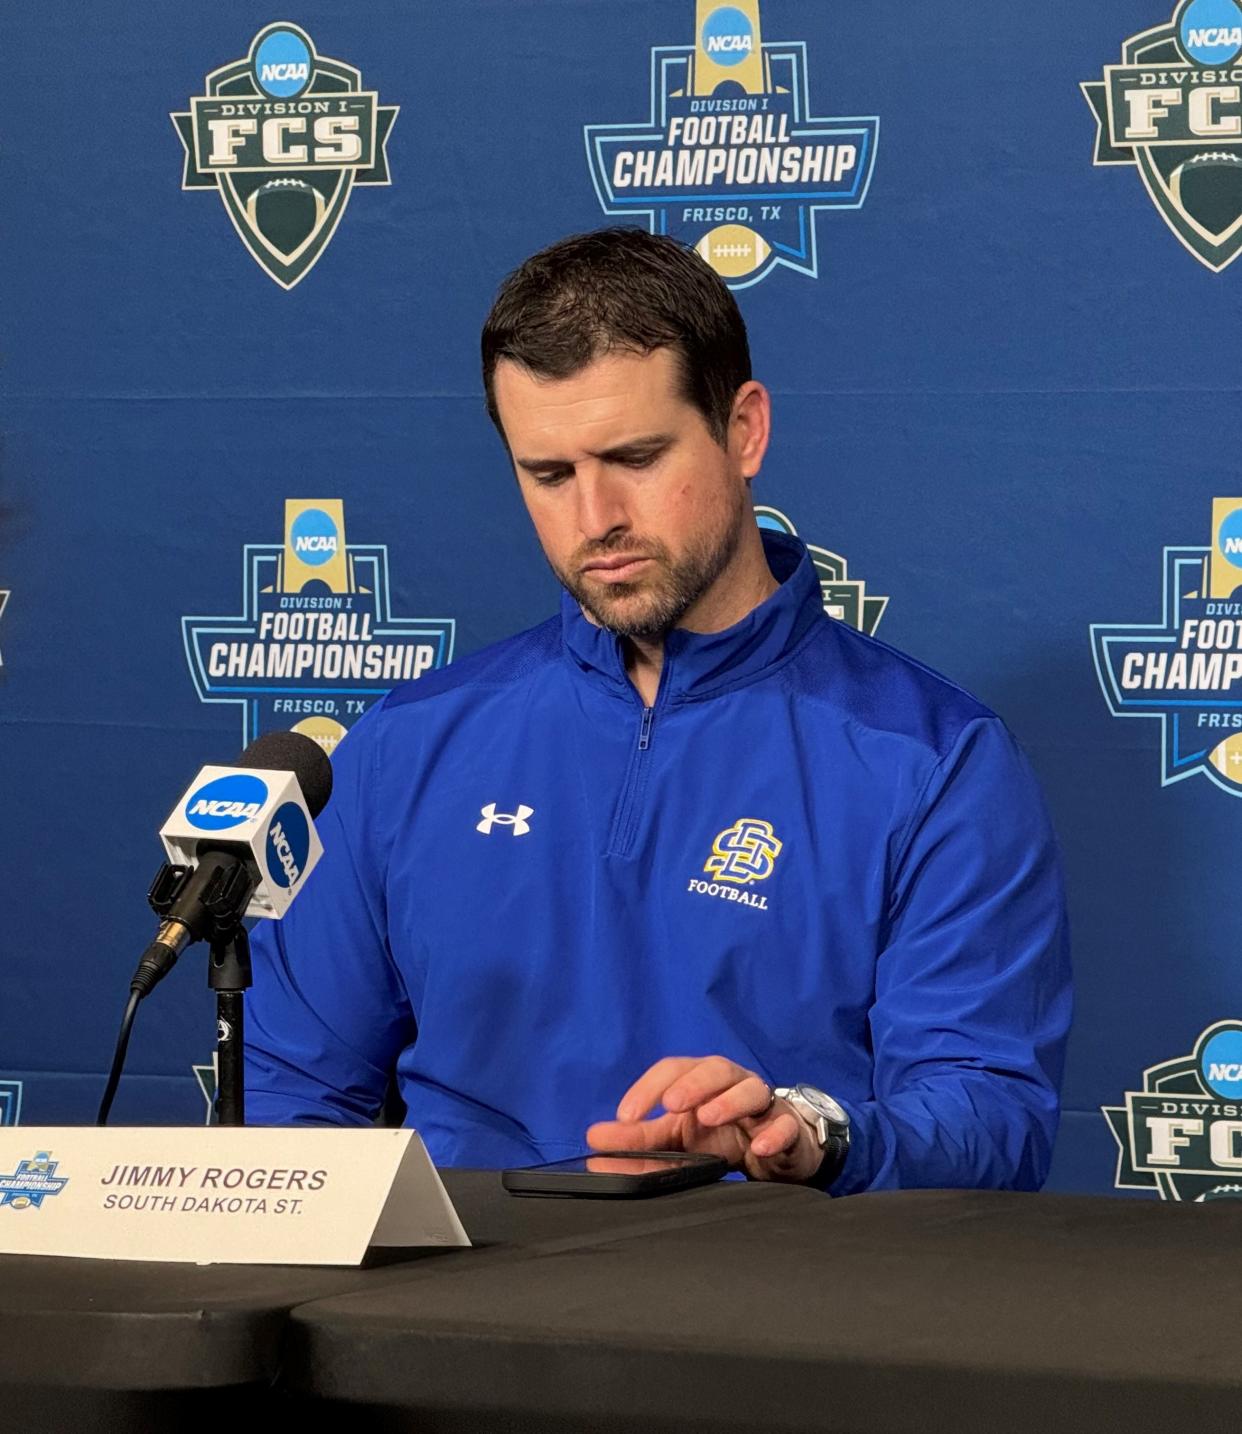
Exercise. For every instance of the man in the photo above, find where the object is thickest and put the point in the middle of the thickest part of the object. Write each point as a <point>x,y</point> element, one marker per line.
<point>692,865</point>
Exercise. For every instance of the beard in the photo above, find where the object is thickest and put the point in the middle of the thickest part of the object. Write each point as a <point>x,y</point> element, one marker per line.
<point>653,606</point>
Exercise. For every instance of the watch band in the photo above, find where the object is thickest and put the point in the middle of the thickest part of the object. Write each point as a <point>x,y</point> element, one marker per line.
<point>832,1164</point>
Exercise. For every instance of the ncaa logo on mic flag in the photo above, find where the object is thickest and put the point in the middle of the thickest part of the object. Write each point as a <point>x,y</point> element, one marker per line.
<point>316,643</point>
<point>1185,671</point>
<point>283,136</point>
<point>1173,110</point>
<point>226,802</point>
<point>730,158</point>
<point>288,845</point>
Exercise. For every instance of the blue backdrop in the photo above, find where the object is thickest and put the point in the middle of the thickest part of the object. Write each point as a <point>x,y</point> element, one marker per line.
<point>993,363</point>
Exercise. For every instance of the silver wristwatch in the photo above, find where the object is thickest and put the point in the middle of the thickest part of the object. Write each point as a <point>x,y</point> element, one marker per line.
<point>829,1123</point>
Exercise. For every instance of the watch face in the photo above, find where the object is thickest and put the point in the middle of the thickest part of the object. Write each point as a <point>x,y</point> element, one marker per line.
<point>823,1104</point>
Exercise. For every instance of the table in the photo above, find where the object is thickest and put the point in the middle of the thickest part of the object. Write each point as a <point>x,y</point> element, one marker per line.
<point>735,1307</point>
<point>906,1313</point>
<point>112,1345</point>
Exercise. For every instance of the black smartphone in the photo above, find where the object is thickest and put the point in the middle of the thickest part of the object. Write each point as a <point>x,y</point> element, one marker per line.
<point>623,1173</point>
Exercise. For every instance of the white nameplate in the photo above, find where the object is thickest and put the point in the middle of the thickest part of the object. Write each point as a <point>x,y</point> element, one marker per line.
<point>250,1195</point>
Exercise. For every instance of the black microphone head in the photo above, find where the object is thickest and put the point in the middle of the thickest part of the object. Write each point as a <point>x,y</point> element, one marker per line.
<point>291,752</point>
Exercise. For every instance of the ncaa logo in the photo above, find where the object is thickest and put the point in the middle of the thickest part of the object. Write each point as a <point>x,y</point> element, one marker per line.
<point>728,36</point>
<point>314,537</point>
<point>288,845</point>
<point>1210,31</point>
<point>282,64</point>
<point>1230,539</point>
<point>1220,1063</point>
<point>226,802</point>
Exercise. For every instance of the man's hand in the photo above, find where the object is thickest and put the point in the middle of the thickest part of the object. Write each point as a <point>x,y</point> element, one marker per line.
<point>715,1107</point>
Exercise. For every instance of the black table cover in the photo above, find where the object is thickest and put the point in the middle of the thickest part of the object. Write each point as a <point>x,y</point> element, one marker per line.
<point>918,1311</point>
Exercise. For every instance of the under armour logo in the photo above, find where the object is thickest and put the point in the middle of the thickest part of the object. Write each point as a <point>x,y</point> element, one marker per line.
<point>516,820</point>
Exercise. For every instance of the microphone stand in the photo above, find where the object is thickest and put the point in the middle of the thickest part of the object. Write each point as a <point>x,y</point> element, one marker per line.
<point>224,898</point>
<point>228,975</point>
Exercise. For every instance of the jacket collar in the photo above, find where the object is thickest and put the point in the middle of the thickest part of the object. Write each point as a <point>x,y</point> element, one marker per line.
<point>699,664</point>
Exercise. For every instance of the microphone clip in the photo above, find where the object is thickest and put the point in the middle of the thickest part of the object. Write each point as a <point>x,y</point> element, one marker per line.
<point>218,903</point>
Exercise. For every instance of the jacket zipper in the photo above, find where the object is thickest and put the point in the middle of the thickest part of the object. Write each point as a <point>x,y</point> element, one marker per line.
<point>644,732</point>
<point>625,827</point>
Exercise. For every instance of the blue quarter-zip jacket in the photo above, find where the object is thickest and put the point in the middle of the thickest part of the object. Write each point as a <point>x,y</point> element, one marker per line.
<point>812,855</point>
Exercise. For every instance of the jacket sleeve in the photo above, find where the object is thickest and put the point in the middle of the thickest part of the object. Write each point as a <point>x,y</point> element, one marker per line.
<point>328,1014</point>
<point>972,1001</point>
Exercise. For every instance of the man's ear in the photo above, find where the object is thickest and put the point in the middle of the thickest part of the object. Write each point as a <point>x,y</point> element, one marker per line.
<point>750,426</point>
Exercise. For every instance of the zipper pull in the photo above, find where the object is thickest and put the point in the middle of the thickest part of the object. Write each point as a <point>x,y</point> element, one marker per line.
<point>644,732</point>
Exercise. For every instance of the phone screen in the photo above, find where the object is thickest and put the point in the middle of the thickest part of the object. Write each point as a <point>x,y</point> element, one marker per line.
<point>622,1164</point>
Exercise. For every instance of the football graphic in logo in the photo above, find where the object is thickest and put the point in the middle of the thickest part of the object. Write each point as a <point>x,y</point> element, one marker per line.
<point>733,250</point>
<point>286,212</point>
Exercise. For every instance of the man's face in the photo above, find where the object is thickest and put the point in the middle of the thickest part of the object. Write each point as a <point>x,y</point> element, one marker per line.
<point>638,509</point>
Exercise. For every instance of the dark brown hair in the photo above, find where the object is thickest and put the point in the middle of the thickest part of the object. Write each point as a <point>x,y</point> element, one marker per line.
<point>618,289</point>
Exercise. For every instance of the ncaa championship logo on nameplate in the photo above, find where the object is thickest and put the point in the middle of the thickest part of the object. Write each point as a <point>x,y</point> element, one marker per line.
<point>34,1181</point>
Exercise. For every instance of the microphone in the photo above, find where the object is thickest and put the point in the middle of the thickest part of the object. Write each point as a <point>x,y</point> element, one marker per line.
<point>240,842</point>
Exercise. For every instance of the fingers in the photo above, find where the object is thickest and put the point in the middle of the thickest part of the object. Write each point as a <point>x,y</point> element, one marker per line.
<point>712,1104</point>
<point>748,1100</point>
<point>662,1133</point>
<point>718,1090</point>
<point>650,1088</point>
<point>776,1136</point>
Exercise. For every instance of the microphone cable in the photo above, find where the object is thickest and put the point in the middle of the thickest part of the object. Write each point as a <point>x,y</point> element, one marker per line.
<point>118,1060</point>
